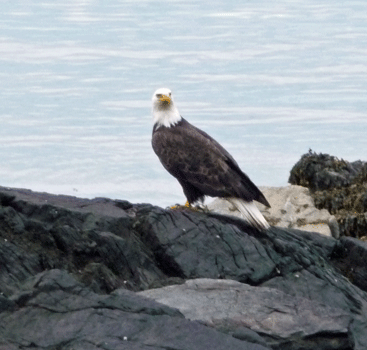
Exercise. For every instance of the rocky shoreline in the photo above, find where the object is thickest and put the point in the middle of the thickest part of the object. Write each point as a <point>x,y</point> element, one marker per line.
<point>103,274</point>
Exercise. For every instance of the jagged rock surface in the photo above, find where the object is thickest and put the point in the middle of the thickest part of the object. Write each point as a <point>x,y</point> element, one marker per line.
<point>110,246</point>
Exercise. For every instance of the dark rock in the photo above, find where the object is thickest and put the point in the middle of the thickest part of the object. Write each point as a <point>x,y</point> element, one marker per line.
<point>6,304</point>
<point>191,246</point>
<point>116,247</point>
<point>354,225</point>
<point>54,311</point>
<point>351,256</point>
<point>42,231</point>
<point>322,171</point>
<point>338,186</point>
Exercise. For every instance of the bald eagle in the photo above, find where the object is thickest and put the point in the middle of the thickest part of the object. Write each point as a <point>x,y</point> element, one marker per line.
<point>199,163</point>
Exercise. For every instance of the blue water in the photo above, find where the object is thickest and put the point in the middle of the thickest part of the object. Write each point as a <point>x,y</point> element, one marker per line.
<point>267,80</point>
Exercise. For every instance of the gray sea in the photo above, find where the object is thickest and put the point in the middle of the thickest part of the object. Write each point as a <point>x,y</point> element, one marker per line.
<point>269,80</point>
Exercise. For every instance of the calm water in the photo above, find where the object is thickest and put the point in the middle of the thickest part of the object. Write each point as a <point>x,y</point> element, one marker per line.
<point>267,80</point>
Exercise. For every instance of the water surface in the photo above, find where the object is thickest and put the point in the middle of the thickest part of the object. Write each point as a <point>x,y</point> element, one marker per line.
<point>268,80</point>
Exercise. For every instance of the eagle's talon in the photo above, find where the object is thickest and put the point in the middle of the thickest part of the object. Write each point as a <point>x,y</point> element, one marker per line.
<point>187,205</point>
<point>178,206</point>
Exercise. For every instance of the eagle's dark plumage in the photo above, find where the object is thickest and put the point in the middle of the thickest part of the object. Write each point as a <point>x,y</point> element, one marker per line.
<point>200,164</point>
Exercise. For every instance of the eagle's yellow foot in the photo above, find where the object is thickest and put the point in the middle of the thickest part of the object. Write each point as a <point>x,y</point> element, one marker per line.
<point>178,206</point>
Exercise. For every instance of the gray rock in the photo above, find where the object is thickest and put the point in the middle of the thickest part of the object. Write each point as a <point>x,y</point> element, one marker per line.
<point>277,316</point>
<point>247,334</point>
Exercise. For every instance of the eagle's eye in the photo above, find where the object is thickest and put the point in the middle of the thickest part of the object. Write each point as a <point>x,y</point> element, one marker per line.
<point>159,95</point>
<point>170,94</point>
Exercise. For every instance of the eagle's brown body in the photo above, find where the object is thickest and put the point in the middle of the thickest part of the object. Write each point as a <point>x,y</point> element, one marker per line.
<point>201,165</point>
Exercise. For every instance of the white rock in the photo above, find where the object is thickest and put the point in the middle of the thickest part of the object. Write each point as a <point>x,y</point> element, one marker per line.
<point>291,207</point>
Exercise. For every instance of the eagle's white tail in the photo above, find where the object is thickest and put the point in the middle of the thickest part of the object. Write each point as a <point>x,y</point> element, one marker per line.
<point>250,213</point>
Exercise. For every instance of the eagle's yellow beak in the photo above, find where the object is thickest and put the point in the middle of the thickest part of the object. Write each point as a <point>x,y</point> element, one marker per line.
<point>165,99</point>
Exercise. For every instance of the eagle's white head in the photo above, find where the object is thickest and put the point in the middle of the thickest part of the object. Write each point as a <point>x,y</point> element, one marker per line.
<point>164,110</point>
